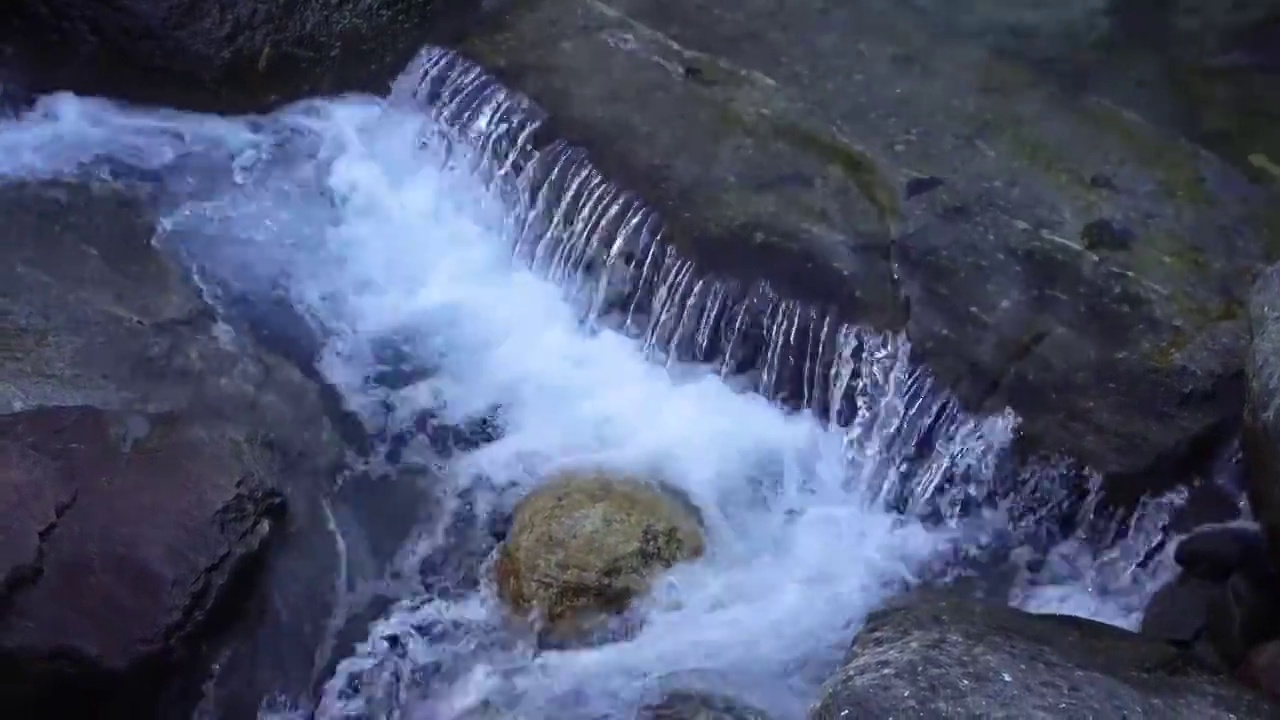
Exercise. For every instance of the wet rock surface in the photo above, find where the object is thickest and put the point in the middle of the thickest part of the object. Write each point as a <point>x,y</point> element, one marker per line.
<point>1261,437</point>
<point>582,546</point>
<point>1221,606</point>
<point>938,654</point>
<point>1074,262</point>
<point>224,55</point>
<point>122,535</point>
<point>154,457</point>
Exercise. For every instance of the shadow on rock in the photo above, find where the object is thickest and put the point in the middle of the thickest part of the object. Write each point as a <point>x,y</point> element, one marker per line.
<point>225,55</point>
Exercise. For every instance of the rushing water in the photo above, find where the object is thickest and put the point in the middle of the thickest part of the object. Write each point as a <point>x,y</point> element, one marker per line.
<point>535,300</point>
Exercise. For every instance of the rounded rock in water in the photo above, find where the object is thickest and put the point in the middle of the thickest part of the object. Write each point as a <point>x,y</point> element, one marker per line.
<point>583,545</point>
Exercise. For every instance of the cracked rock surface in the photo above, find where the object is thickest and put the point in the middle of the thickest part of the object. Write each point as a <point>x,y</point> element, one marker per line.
<point>152,464</point>
<point>127,528</point>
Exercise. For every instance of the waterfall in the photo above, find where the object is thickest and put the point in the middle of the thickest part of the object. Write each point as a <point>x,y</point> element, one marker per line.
<point>536,314</point>
<point>611,251</point>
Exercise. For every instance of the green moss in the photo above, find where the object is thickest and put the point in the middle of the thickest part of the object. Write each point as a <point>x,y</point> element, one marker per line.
<point>1175,164</point>
<point>828,147</point>
<point>1166,355</point>
<point>1032,149</point>
<point>17,344</point>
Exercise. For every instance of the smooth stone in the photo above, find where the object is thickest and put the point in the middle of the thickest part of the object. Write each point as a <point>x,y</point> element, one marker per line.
<point>582,545</point>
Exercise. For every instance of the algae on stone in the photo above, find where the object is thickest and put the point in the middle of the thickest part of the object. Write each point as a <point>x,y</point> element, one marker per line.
<point>583,545</point>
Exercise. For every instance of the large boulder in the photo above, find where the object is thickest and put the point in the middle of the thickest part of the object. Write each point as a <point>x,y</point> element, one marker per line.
<point>1222,603</point>
<point>121,534</point>
<point>1043,250</point>
<point>939,654</point>
<point>150,453</point>
<point>582,546</point>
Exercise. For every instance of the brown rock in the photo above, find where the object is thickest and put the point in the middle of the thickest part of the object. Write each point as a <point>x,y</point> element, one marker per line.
<point>119,503</point>
<point>581,546</point>
<point>121,535</point>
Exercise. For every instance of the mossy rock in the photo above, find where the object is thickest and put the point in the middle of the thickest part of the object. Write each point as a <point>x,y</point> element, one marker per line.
<point>583,545</point>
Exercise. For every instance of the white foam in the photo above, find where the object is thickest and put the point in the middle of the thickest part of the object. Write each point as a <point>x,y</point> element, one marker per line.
<point>1109,579</point>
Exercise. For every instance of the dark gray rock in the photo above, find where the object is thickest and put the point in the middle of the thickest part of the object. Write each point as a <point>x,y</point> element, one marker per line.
<point>93,316</point>
<point>941,655</point>
<point>123,533</point>
<point>687,705</point>
<point>1243,617</point>
<point>1179,611</point>
<point>1109,315</point>
<point>229,55</point>
<point>1262,669</point>
<point>1215,553</point>
<point>1261,436</point>
<point>1223,601</point>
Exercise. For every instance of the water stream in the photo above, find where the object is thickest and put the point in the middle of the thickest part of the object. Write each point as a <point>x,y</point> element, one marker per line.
<point>435,236</point>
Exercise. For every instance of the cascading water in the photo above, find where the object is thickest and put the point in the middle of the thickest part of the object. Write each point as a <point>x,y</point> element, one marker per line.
<point>540,307</point>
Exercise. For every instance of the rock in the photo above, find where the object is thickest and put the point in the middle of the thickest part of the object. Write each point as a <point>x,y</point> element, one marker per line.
<point>1224,599</point>
<point>685,705</point>
<point>227,55</point>
<point>1109,316</point>
<point>1223,58</point>
<point>1215,553</point>
<point>1262,669</point>
<point>938,654</point>
<point>1261,435</point>
<point>1243,616</point>
<point>581,546</point>
<point>123,533</point>
<point>1179,611</point>
<point>94,320</point>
